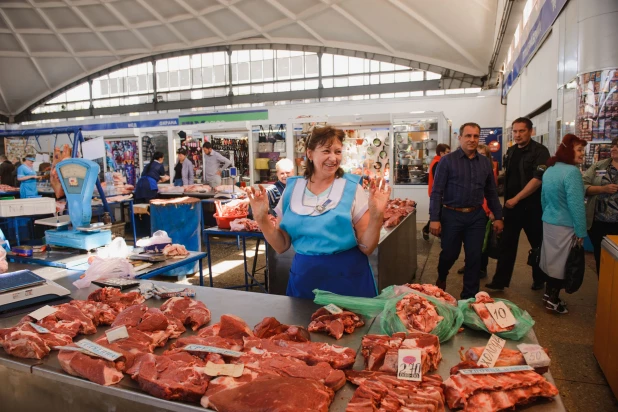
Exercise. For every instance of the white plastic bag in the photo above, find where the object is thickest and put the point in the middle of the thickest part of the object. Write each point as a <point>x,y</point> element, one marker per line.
<point>237,225</point>
<point>158,237</point>
<point>118,248</point>
<point>104,269</point>
<point>4,266</point>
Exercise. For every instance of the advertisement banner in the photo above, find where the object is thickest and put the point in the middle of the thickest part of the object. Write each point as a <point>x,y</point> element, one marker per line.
<point>492,137</point>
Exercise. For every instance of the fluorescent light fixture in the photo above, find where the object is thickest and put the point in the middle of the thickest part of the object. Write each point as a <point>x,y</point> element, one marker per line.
<point>417,112</point>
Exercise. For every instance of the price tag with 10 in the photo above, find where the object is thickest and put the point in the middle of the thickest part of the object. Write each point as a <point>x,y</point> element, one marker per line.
<point>501,314</point>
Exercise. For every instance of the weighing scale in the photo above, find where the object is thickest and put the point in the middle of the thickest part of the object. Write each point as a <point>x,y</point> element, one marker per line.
<point>78,178</point>
<point>25,288</point>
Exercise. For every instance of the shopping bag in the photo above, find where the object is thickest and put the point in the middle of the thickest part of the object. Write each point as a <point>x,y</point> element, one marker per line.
<point>487,235</point>
<point>534,256</point>
<point>574,268</point>
<point>493,246</point>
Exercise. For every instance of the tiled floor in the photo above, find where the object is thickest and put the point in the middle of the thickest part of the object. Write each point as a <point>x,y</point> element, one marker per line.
<point>568,337</point>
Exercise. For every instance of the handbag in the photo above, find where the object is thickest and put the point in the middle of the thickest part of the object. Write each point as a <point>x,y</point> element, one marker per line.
<point>493,246</point>
<point>534,256</point>
<point>574,268</point>
<point>262,135</point>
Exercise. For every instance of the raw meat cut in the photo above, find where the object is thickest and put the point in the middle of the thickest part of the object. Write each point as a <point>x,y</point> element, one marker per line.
<point>244,225</point>
<point>198,189</point>
<point>433,290</point>
<point>230,209</point>
<point>381,351</point>
<point>507,357</point>
<point>396,210</point>
<point>136,342</point>
<point>175,250</point>
<point>99,313</point>
<point>68,320</point>
<point>189,311</point>
<point>150,321</point>
<point>495,392</point>
<point>229,327</point>
<point>479,307</point>
<point>417,313</point>
<point>324,321</point>
<point>384,392</point>
<point>94,369</point>
<point>273,393</point>
<point>271,328</point>
<point>178,377</point>
<point>339,357</point>
<point>23,341</point>
<point>116,299</point>
<point>7,188</point>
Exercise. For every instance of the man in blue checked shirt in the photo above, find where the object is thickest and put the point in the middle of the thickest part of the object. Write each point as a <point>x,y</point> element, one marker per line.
<point>463,179</point>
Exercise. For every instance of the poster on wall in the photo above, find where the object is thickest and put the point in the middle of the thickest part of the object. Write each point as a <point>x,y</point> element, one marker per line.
<point>492,137</point>
<point>597,105</point>
<point>123,156</point>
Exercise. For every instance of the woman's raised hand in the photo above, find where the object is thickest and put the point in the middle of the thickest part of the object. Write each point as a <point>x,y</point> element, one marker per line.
<point>259,202</point>
<point>379,193</point>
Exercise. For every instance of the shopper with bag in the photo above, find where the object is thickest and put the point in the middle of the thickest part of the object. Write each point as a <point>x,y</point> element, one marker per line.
<point>564,217</point>
<point>601,184</point>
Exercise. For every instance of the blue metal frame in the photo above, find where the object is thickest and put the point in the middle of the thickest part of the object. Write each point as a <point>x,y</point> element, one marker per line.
<point>76,140</point>
<point>215,231</point>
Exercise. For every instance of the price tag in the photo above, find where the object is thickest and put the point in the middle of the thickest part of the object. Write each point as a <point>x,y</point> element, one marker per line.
<point>43,312</point>
<point>116,334</point>
<point>492,352</point>
<point>74,349</point>
<point>334,309</point>
<point>501,314</point>
<point>534,355</point>
<point>409,365</point>
<point>98,350</point>
<point>212,349</point>
<point>503,369</point>
<point>39,328</point>
<point>224,369</point>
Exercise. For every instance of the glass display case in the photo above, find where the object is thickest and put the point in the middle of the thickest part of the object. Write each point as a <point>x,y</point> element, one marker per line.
<point>414,146</point>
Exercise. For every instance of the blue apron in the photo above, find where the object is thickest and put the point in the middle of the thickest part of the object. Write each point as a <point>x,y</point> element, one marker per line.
<point>327,254</point>
<point>28,187</point>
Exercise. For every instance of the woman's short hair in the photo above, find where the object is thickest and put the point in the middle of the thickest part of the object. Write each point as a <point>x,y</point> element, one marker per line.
<point>323,136</point>
<point>285,163</point>
<point>442,148</point>
<point>483,148</point>
<point>566,150</point>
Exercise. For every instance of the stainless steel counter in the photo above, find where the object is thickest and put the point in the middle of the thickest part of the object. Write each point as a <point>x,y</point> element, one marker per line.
<point>32,385</point>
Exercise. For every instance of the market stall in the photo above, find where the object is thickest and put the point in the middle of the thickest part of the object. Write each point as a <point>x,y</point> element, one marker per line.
<point>31,384</point>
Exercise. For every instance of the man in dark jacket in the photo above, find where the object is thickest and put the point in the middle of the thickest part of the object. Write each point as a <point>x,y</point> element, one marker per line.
<point>6,172</point>
<point>524,165</point>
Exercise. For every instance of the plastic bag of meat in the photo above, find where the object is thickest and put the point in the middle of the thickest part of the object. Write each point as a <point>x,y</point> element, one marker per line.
<point>244,225</point>
<point>105,269</point>
<point>416,311</point>
<point>476,316</point>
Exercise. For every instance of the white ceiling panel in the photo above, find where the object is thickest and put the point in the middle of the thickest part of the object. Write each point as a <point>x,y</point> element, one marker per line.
<point>46,44</point>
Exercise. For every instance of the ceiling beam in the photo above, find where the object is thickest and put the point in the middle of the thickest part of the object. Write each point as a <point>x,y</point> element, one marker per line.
<point>241,99</point>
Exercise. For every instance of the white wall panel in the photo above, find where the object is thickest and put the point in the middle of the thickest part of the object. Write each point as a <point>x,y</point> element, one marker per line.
<point>571,40</point>
<point>540,78</point>
<point>513,103</point>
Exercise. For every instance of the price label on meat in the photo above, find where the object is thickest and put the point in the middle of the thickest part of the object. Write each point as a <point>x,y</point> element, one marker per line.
<point>492,351</point>
<point>116,334</point>
<point>43,312</point>
<point>503,369</point>
<point>224,369</point>
<point>409,365</point>
<point>534,355</point>
<point>39,328</point>
<point>212,349</point>
<point>334,309</point>
<point>100,351</point>
<point>501,314</point>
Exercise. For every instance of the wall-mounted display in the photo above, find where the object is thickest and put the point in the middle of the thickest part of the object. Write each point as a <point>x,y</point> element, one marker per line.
<point>123,156</point>
<point>597,105</point>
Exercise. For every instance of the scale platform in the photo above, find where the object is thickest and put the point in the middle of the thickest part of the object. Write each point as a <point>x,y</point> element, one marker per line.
<point>25,288</point>
<point>78,239</point>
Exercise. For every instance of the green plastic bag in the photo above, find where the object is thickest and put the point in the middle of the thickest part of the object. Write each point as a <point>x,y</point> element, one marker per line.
<point>473,321</point>
<point>386,303</point>
<point>444,330</point>
<point>368,307</point>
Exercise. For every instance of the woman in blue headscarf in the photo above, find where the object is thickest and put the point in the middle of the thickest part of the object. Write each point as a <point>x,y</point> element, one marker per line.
<point>329,219</point>
<point>27,176</point>
<point>146,187</point>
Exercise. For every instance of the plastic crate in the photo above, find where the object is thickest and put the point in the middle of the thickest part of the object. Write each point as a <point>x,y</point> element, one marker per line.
<point>27,207</point>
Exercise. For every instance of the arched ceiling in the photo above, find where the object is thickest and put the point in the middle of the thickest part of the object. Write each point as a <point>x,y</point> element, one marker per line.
<point>47,44</point>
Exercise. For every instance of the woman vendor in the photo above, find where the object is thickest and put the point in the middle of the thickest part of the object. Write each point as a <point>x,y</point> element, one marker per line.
<point>27,176</point>
<point>329,219</point>
<point>146,188</point>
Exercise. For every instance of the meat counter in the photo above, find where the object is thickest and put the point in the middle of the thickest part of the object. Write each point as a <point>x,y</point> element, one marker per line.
<point>33,385</point>
<point>393,262</point>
